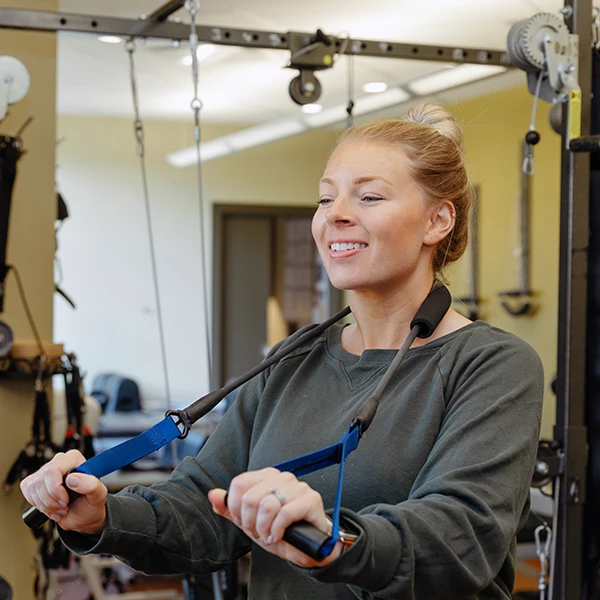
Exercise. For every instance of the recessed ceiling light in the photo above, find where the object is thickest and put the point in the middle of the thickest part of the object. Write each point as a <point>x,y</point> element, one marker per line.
<point>110,39</point>
<point>375,87</point>
<point>311,109</point>
<point>202,52</point>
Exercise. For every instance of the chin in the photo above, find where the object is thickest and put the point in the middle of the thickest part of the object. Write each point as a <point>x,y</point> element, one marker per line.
<point>350,284</point>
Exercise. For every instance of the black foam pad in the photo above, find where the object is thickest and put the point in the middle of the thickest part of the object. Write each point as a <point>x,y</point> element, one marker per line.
<point>432,311</point>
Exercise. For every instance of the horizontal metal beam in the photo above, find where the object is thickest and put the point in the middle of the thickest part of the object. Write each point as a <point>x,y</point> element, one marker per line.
<point>34,20</point>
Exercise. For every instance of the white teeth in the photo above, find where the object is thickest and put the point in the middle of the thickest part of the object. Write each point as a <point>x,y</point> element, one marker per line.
<point>343,246</point>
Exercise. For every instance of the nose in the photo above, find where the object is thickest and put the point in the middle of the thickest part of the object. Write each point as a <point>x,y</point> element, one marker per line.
<point>340,211</point>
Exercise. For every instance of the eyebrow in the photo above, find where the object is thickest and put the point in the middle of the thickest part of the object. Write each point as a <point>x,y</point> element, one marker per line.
<point>360,180</point>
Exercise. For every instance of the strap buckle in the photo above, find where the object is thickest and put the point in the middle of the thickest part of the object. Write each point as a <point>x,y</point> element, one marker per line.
<point>182,422</point>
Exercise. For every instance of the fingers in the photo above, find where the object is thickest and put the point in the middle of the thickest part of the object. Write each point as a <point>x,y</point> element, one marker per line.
<point>307,505</point>
<point>264,503</point>
<point>269,508</point>
<point>217,499</point>
<point>88,486</point>
<point>44,488</point>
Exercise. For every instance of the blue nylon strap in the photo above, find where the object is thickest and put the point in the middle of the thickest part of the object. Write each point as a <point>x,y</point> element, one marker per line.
<point>315,461</point>
<point>124,454</point>
<point>166,431</point>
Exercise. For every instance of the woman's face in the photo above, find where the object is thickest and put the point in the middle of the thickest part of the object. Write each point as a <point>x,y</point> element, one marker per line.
<point>373,225</point>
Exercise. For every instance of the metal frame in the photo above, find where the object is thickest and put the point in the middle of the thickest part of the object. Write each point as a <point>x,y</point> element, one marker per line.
<point>570,430</point>
<point>156,26</point>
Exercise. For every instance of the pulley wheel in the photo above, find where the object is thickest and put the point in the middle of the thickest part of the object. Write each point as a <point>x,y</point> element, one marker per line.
<point>525,41</point>
<point>555,117</point>
<point>6,338</point>
<point>305,89</point>
<point>15,75</point>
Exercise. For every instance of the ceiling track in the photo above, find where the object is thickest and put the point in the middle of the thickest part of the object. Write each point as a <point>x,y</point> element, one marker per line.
<point>35,20</point>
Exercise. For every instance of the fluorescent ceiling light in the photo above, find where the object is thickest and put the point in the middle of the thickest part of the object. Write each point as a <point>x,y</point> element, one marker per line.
<point>234,142</point>
<point>311,109</point>
<point>110,39</point>
<point>375,87</point>
<point>208,151</point>
<point>449,78</point>
<point>203,51</point>
<point>264,133</point>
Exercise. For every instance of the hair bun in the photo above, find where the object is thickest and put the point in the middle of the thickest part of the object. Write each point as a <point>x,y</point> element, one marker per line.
<point>437,118</point>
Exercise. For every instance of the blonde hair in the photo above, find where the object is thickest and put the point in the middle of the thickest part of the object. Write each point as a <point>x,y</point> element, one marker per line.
<point>433,142</point>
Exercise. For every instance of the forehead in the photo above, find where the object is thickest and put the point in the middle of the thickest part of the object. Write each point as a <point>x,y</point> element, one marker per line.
<point>356,158</point>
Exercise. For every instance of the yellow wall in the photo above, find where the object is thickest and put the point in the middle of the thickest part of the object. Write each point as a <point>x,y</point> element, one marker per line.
<point>30,248</point>
<point>494,128</point>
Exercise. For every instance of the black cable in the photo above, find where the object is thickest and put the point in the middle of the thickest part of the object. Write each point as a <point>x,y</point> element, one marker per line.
<point>28,312</point>
<point>196,105</point>
<point>139,134</point>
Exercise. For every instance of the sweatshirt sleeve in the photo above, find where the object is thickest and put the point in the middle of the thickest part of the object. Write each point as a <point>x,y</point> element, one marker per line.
<point>452,536</point>
<point>170,527</point>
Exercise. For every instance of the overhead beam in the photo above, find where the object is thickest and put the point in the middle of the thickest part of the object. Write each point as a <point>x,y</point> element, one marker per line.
<point>34,20</point>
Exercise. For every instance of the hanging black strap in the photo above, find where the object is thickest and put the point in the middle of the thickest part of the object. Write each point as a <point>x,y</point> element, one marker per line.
<point>39,450</point>
<point>10,152</point>
<point>73,399</point>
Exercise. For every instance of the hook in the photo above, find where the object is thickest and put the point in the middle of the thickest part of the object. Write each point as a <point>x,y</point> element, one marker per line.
<point>520,303</point>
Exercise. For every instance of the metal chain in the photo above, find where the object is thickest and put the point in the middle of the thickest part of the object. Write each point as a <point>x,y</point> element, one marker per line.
<point>138,127</point>
<point>193,6</point>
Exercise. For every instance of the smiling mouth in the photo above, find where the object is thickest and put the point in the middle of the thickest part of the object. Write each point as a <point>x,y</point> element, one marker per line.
<point>345,246</point>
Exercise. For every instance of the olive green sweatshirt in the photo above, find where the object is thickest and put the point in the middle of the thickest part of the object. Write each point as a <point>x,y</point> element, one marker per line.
<point>438,486</point>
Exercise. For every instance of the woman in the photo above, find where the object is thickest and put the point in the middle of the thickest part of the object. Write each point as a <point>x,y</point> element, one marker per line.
<point>438,487</point>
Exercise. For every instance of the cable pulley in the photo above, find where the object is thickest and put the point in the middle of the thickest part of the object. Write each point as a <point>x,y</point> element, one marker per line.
<point>543,47</point>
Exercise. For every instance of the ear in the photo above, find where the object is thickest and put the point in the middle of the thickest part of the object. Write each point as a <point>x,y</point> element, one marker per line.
<point>440,224</point>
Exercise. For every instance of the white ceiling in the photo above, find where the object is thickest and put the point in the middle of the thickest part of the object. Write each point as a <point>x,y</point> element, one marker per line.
<point>240,85</point>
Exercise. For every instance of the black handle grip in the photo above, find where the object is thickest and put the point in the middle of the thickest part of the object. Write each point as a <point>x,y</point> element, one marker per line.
<point>307,538</point>
<point>35,518</point>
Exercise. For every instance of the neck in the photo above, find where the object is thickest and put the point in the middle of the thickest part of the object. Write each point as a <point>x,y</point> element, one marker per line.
<point>383,320</point>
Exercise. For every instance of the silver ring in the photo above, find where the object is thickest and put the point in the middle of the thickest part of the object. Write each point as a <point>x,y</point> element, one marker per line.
<point>278,495</point>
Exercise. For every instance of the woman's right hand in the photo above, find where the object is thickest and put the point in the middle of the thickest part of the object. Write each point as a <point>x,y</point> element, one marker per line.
<point>44,489</point>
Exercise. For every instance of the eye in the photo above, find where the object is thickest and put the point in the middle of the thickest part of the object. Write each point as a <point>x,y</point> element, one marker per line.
<point>324,201</point>
<point>369,198</point>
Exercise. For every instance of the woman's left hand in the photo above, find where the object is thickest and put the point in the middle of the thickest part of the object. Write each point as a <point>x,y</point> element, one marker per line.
<point>265,503</point>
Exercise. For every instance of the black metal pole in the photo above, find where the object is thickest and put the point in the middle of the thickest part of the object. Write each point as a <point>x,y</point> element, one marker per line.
<point>592,508</point>
<point>570,429</point>
<point>164,12</point>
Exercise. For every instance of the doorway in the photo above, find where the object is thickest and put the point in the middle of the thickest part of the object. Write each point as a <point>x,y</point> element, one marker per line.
<point>268,282</point>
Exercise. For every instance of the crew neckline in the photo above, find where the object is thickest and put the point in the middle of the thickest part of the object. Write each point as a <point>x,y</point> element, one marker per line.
<point>335,348</point>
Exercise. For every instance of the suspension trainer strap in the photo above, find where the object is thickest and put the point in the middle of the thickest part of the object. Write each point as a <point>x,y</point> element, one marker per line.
<point>124,454</point>
<point>175,424</point>
<point>315,461</point>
